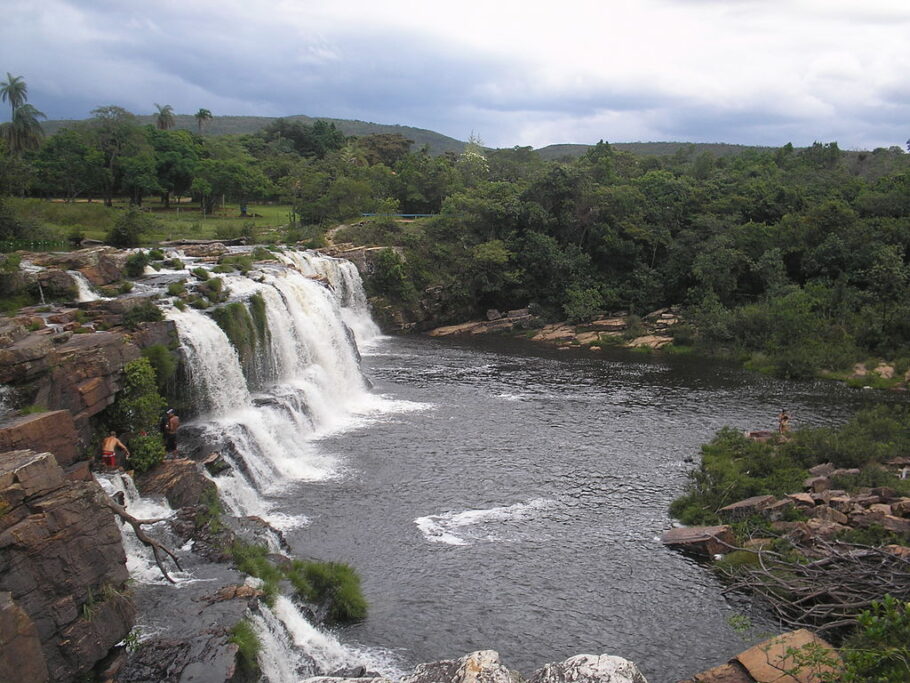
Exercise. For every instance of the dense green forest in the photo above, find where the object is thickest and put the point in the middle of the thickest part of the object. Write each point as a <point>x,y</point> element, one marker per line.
<point>793,259</point>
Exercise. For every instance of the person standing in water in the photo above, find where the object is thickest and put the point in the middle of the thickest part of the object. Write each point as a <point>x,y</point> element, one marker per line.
<point>783,422</point>
<point>109,447</point>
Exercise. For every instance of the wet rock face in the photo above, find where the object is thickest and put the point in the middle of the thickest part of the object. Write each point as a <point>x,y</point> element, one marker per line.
<point>589,669</point>
<point>62,563</point>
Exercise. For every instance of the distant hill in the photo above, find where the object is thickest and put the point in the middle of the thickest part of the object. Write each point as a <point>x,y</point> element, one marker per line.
<point>237,125</point>
<point>718,149</point>
<point>439,143</point>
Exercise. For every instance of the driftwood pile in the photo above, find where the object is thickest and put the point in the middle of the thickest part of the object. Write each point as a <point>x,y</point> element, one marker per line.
<point>829,592</point>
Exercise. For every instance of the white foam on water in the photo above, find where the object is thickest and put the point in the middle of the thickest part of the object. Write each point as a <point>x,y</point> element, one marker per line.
<point>490,525</point>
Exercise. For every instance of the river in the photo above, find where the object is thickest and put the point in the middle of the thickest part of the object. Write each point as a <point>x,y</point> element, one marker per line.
<point>514,500</point>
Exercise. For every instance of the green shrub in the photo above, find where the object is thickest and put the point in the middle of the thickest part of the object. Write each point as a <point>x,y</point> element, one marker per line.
<point>330,583</point>
<point>244,637</point>
<point>156,254</point>
<point>136,263</point>
<point>241,262</point>
<point>138,404</point>
<point>201,274</point>
<point>146,451</point>
<point>879,649</point>
<point>146,312</point>
<point>176,288</point>
<point>129,228</point>
<point>262,254</point>
<point>253,560</point>
<point>164,363</point>
<point>174,264</point>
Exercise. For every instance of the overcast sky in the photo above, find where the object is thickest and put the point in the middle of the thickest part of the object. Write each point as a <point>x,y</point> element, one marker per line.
<point>528,72</point>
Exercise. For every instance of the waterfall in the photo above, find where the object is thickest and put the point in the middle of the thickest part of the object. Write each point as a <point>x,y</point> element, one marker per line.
<point>293,649</point>
<point>346,286</point>
<point>302,380</point>
<point>84,291</point>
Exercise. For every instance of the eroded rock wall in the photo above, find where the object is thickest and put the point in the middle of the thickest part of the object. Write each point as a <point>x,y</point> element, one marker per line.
<point>63,566</point>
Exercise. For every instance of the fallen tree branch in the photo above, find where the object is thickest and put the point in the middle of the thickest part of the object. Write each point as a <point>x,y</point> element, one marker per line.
<point>157,548</point>
<point>828,593</point>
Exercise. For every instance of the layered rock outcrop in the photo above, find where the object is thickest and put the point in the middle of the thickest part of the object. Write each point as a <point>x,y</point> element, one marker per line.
<point>484,666</point>
<point>62,566</point>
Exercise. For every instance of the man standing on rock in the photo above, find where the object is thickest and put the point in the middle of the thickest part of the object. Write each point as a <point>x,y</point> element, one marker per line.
<point>171,424</point>
<point>109,450</point>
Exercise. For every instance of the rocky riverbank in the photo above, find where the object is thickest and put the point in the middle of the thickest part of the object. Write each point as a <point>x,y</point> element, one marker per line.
<point>620,330</point>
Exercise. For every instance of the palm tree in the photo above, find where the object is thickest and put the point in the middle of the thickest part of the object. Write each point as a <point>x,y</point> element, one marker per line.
<point>202,116</point>
<point>165,117</point>
<point>14,90</point>
<point>24,132</point>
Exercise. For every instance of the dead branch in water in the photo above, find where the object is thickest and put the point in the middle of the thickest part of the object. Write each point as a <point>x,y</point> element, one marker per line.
<point>157,548</point>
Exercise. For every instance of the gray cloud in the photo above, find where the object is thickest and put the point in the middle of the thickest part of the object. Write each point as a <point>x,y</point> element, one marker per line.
<point>263,58</point>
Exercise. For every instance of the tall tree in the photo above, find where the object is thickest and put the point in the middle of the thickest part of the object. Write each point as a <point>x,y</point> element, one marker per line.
<point>14,90</point>
<point>164,119</point>
<point>24,132</point>
<point>202,116</point>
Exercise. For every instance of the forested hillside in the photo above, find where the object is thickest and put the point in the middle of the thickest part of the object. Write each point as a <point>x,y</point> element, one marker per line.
<point>793,259</point>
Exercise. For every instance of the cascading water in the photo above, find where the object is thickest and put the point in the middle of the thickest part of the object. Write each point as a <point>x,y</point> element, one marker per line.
<point>293,649</point>
<point>84,291</point>
<point>302,380</point>
<point>139,558</point>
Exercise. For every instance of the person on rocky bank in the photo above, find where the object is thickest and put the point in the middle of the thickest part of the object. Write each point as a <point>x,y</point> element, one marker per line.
<point>109,447</point>
<point>169,430</point>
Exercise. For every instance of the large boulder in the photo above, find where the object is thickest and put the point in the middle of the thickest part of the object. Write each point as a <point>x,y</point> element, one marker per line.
<point>99,265</point>
<point>701,540</point>
<point>482,666</point>
<point>52,432</point>
<point>589,669</point>
<point>745,508</point>
<point>180,481</point>
<point>62,562</point>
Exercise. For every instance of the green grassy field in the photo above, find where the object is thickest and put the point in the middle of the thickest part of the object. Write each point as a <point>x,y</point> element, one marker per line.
<point>92,220</point>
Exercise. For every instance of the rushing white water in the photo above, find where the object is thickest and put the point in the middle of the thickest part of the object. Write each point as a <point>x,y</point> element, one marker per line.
<point>506,523</point>
<point>139,558</point>
<point>346,286</point>
<point>84,291</point>
<point>293,649</point>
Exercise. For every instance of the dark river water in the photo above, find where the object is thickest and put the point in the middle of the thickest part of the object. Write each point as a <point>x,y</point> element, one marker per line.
<point>519,509</point>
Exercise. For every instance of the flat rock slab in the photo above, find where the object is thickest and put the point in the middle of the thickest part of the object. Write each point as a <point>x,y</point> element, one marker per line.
<point>746,508</point>
<point>767,661</point>
<point>706,540</point>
